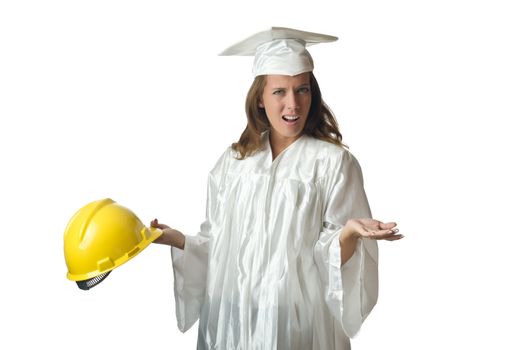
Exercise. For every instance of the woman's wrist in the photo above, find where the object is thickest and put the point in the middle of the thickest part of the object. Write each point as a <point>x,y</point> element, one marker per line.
<point>172,237</point>
<point>348,235</point>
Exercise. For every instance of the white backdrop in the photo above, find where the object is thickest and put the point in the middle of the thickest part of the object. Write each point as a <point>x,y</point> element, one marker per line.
<point>129,100</point>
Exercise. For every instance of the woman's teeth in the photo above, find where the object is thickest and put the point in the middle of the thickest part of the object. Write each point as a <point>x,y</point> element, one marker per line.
<point>290,118</point>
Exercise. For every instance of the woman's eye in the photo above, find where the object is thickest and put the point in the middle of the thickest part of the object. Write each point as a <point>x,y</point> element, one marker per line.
<point>278,92</point>
<point>304,90</point>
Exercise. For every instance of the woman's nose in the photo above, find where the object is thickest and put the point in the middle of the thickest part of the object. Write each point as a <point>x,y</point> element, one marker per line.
<point>293,103</point>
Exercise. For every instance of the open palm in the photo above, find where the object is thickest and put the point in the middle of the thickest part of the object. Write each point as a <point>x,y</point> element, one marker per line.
<point>373,229</point>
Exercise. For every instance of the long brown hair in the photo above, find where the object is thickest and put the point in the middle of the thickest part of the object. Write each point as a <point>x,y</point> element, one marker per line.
<point>320,124</point>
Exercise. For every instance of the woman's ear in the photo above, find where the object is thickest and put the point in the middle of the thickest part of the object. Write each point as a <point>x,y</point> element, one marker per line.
<point>260,104</point>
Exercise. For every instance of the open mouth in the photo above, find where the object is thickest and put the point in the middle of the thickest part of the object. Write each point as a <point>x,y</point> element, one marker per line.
<point>290,118</point>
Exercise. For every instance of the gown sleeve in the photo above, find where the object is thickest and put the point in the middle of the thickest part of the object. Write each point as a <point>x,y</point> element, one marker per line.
<point>351,290</point>
<point>191,264</point>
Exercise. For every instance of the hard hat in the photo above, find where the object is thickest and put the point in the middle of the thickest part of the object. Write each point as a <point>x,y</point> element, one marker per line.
<point>101,236</point>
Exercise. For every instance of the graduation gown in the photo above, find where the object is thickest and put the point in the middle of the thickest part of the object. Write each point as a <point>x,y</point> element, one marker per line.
<point>264,272</point>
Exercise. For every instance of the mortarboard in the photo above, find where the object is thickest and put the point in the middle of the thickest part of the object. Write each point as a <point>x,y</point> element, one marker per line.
<point>279,50</point>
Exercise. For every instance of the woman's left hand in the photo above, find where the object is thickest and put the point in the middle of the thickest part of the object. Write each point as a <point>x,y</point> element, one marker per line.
<point>371,228</point>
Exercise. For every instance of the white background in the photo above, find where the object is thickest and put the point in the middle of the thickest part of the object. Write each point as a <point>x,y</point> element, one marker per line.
<point>129,100</point>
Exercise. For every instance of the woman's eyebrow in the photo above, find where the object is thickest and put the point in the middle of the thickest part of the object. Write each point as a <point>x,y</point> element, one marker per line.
<point>297,87</point>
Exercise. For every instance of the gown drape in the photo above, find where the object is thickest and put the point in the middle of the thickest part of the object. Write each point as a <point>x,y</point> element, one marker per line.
<point>264,272</point>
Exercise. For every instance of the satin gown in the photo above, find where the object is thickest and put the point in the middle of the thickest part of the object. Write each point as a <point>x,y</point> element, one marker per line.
<point>264,272</point>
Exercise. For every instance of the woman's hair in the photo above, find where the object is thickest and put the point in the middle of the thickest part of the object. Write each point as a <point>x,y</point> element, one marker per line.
<point>321,123</point>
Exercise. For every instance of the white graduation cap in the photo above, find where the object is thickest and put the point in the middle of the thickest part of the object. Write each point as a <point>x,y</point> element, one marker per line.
<point>279,50</point>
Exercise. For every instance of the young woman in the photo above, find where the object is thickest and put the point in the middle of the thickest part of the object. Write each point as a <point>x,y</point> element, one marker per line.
<point>287,256</point>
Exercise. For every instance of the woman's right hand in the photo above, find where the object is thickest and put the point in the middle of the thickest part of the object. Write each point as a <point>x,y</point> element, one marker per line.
<point>169,235</point>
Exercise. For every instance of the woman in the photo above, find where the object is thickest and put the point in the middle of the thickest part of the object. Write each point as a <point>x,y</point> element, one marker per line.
<point>287,257</point>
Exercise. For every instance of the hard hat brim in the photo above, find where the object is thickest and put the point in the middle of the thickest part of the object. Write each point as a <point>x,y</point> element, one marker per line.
<point>149,234</point>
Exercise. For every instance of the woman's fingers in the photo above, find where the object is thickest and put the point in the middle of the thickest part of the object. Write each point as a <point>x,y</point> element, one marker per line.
<point>154,223</point>
<point>394,238</point>
<point>371,223</point>
<point>389,235</point>
<point>374,229</point>
<point>388,225</point>
<point>377,225</point>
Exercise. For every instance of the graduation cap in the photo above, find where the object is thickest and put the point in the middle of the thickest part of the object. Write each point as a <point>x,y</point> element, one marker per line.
<point>279,50</point>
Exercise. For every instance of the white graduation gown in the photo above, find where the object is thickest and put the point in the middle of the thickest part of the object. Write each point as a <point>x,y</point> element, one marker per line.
<point>264,272</point>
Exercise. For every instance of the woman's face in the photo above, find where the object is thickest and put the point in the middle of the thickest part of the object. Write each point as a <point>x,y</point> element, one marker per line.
<point>287,101</point>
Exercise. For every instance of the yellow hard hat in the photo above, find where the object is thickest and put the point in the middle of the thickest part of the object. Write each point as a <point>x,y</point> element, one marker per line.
<point>101,236</point>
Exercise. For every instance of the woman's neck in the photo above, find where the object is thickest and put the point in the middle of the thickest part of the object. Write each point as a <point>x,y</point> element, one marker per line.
<point>280,143</point>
